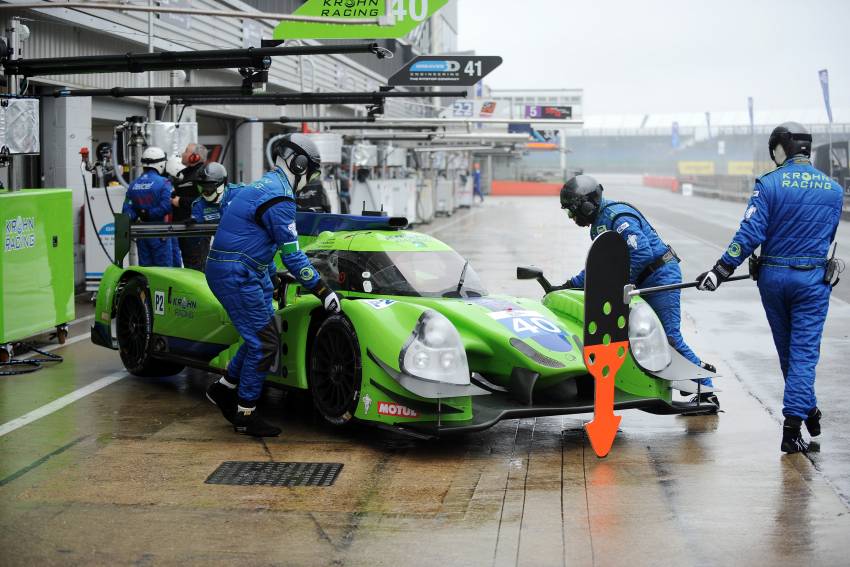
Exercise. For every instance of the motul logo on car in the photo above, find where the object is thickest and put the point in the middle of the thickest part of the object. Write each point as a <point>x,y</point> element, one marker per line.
<point>396,410</point>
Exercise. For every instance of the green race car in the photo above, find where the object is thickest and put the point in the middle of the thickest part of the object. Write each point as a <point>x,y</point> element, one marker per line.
<point>419,346</point>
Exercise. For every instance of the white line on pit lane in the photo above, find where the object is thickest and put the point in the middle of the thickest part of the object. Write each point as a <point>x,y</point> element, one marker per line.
<point>60,403</point>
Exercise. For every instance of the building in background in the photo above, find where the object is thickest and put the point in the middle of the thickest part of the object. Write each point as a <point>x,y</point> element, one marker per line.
<point>69,124</point>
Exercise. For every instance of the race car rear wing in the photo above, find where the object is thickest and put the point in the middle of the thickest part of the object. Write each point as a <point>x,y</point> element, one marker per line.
<point>126,232</point>
<point>308,224</point>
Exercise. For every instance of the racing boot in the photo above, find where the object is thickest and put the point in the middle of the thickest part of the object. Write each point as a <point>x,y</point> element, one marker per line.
<point>703,398</point>
<point>813,422</point>
<point>249,422</point>
<point>792,437</point>
<point>222,393</point>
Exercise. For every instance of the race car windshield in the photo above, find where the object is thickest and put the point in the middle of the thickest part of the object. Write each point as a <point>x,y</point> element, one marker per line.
<point>418,274</point>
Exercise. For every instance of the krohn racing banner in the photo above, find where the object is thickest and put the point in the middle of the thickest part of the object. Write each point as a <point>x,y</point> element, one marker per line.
<point>455,70</point>
<point>405,16</point>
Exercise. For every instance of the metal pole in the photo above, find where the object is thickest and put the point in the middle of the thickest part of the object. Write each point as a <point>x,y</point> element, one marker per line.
<point>563,135</point>
<point>829,135</point>
<point>13,90</point>
<point>151,107</point>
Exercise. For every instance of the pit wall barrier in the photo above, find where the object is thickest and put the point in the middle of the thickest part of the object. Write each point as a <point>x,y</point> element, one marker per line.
<point>662,182</point>
<point>524,188</point>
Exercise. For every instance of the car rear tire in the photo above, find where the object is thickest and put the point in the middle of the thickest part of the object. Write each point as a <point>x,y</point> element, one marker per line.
<point>134,332</point>
<point>335,370</point>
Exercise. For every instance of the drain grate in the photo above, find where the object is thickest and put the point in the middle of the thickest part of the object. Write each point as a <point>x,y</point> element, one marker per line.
<point>264,473</point>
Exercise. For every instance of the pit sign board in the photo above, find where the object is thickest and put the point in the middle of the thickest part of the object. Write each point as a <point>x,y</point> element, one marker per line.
<point>406,15</point>
<point>452,70</point>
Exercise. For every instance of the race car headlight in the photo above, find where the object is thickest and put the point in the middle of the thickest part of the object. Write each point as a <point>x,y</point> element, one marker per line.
<point>647,338</point>
<point>434,351</point>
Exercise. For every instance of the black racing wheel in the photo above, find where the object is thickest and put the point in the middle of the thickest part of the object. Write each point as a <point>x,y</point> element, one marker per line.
<point>134,330</point>
<point>335,371</point>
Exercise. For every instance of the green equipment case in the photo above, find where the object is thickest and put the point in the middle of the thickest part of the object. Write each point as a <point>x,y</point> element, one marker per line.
<point>36,262</point>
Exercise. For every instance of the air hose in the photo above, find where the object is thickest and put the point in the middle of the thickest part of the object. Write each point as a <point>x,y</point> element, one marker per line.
<point>14,367</point>
<point>91,215</point>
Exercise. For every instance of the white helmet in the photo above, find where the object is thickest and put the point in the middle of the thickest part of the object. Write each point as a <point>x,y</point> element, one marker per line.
<point>173,166</point>
<point>154,158</point>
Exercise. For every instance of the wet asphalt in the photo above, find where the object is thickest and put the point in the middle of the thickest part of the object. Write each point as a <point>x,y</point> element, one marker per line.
<point>117,476</point>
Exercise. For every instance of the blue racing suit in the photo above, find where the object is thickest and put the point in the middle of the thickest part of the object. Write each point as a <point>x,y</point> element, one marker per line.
<point>793,214</point>
<point>256,222</point>
<point>151,192</point>
<point>652,263</point>
<point>206,212</point>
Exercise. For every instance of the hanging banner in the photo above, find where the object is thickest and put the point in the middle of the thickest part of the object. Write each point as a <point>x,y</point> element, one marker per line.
<point>406,15</point>
<point>823,75</point>
<point>437,70</point>
<point>674,135</point>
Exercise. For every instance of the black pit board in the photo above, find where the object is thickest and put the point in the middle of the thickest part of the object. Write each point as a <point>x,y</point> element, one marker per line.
<point>265,473</point>
<point>606,273</point>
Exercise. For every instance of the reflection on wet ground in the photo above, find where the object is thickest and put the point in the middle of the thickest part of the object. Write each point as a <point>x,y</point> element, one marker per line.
<point>118,476</point>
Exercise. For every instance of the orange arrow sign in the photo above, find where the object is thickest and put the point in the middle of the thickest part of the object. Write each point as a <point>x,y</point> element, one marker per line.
<point>603,362</point>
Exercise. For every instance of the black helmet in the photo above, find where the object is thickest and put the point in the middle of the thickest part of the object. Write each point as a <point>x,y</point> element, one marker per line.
<point>299,154</point>
<point>211,180</point>
<point>581,197</point>
<point>794,139</point>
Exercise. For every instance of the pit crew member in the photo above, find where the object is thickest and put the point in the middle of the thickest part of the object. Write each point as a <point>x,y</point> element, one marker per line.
<point>149,200</point>
<point>256,222</point>
<point>793,215</point>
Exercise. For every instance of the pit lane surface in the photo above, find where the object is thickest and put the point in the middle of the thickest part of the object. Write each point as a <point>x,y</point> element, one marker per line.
<point>116,477</point>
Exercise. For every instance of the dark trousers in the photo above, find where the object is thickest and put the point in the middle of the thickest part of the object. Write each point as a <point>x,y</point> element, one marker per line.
<point>195,252</point>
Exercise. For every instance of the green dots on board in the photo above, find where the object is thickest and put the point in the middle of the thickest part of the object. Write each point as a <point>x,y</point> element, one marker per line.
<point>606,308</point>
<point>621,322</point>
<point>591,328</point>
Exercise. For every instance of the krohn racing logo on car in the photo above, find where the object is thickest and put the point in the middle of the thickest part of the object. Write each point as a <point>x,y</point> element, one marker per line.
<point>19,234</point>
<point>396,410</point>
<point>183,306</point>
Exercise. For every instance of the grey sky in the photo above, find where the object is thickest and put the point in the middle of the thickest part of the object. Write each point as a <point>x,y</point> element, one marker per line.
<point>636,56</point>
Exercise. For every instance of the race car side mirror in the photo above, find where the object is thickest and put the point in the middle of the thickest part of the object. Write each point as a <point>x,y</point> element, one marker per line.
<point>532,273</point>
<point>528,273</point>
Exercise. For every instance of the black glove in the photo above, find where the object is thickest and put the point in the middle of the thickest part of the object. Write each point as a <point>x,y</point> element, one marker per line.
<point>276,287</point>
<point>144,216</point>
<point>711,280</point>
<point>329,299</point>
<point>191,221</point>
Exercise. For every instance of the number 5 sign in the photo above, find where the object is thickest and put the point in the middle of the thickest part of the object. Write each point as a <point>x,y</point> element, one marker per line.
<point>406,15</point>
<point>454,70</point>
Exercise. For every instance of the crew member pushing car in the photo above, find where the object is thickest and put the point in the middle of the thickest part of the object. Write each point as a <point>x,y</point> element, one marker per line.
<point>256,222</point>
<point>149,200</point>
<point>652,262</point>
<point>793,215</point>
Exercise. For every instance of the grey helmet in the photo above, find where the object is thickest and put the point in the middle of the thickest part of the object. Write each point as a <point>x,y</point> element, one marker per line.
<point>211,180</point>
<point>793,138</point>
<point>298,155</point>
<point>581,197</point>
